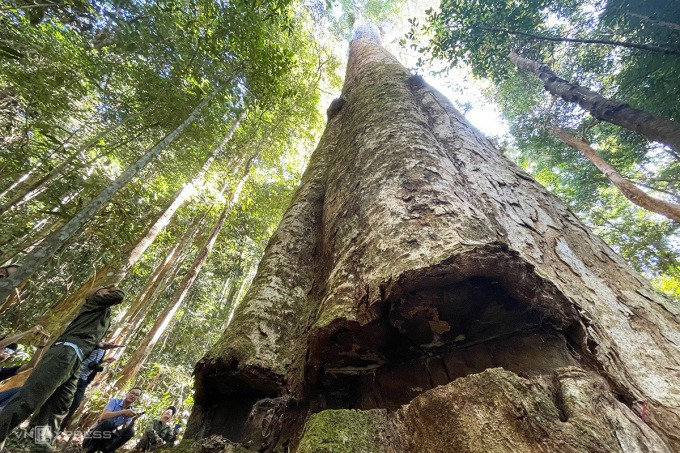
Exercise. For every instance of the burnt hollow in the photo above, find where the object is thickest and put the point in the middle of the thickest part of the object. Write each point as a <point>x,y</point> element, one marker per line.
<point>226,407</point>
<point>432,336</point>
<point>420,338</point>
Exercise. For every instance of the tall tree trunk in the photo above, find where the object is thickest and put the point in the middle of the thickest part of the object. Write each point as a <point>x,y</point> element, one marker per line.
<point>633,193</point>
<point>651,126</point>
<point>605,42</point>
<point>46,249</point>
<point>183,195</point>
<point>235,294</point>
<point>162,276</point>
<point>136,313</point>
<point>14,247</point>
<point>20,180</point>
<point>136,361</point>
<point>116,270</point>
<point>427,283</point>
<point>37,186</point>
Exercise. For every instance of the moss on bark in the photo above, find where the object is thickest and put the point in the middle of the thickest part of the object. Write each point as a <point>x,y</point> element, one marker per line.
<point>342,431</point>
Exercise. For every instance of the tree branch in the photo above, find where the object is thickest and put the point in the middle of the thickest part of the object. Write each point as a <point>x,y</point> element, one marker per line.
<point>606,42</point>
<point>627,188</point>
<point>653,127</point>
<point>660,23</point>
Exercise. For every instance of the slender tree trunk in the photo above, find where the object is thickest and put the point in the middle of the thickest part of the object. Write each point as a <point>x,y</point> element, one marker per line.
<point>143,350</point>
<point>116,270</point>
<point>40,231</point>
<point>129,322</point>
<point>606,42</point>
<point>38,186</point>
<point>652,127</point>
<point>183,195</point>
<point>633,193</point>
<point>20,180</point>
<point>235,294</point>
<point>45,250</point>
<point>660,23</point>
<point>226,289</point>
<point>422,280</point>
<point>126,324</point>
<point>133,319</point>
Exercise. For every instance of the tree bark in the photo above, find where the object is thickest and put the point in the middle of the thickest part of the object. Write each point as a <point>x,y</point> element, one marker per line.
<point>652,127</point>
<point>46,249</point>
<point>633,193</point>
<point>427,283</point>
<point>143,350</point>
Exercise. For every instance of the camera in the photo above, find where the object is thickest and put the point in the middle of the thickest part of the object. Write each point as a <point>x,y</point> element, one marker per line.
<point>95,367</point>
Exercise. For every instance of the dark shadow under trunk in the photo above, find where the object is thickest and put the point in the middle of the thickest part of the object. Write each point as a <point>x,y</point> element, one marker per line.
<point>431,337</point>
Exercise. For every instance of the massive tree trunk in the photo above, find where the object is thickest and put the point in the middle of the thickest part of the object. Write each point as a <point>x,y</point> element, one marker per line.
<point>651,126</point>
<point>424,280</point>
<point>46,249</point>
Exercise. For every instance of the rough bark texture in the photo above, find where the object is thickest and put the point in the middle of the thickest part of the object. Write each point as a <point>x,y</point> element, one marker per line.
<point>413,262</point>
<point>633,193</point>
<point>651,126</point>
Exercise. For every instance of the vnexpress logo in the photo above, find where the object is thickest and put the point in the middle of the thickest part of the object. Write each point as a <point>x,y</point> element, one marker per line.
<point>42,435</point>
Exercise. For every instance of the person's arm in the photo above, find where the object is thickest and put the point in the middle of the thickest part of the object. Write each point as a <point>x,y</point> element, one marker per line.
<point>108,299</point>
<point>15,338</point>
<point>109,413</point>
<point>105,415</point>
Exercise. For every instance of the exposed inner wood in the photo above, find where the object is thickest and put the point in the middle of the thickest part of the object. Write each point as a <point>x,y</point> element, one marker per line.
<point>433,336</point>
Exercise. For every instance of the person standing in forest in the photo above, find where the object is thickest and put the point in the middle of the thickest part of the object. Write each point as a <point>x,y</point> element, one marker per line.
<point>91,366</point>
<point>115,425</point>
<point>48,392</point>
